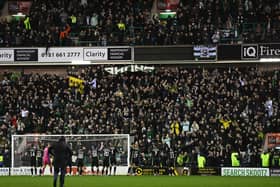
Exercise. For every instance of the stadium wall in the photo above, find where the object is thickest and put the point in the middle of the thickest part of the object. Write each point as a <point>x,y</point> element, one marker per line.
<point>121,170</point>
<point>186,54</point>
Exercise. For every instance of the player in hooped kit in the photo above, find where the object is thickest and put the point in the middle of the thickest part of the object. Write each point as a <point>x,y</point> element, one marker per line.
<point>95,160</point>
<point>171,161</point>
<point>113,160</point>
<point>106,160</point>
<point>71,159</point>
<point>46,159</point>
<point>156,162</point>
<point>135,160</point>
<point>81,155</point>
<point>39,159</point>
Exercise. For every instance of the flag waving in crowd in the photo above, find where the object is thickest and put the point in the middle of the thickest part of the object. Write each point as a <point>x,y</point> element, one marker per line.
<point>77,83</point>
<point>93,83</point>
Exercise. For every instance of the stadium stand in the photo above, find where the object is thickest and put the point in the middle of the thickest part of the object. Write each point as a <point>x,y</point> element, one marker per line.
<point>131,22</point>
<point>172,110</point>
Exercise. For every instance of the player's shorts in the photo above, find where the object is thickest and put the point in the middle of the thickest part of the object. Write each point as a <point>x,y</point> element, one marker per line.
<point>163,162</point>
<point>46,161</point>
<point>106,162</point>
<point>80,162</point>
<point>135,161</point>
<point>95,161</point>
<point>69,163</point>
<point>170,162</point>
<point>33,161</point>
<point>156,162</point>
<point>39,161</point>
<point>113,161</point>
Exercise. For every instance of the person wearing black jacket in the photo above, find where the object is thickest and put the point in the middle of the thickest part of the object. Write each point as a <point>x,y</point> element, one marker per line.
<point>61,153</point>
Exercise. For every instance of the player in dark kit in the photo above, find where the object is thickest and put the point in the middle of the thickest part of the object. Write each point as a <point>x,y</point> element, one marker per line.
<point>69,163</point>
<point>156,162</point>
<point>135,160</point>
<point>171,161</point>
<point>61,153</point>
<point>39,156</point>
<point>81,155</point>
<point>95,160</point>
<point>106,161</point>
<point>113,160</point>
<point>32,153</point>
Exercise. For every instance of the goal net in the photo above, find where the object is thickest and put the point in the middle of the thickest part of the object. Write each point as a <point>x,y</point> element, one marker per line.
<point>23,145</point>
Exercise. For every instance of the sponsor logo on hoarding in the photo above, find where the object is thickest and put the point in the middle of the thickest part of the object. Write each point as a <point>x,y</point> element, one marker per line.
<point>119,54</point>
<point>6,55</point>
<point>95,54</point>
<point>245,171</point>
<point>249,51</point>
<point>270,51</point>
<point>274,172</point>
<point>60,54</point>
<point>26,55</point>
<point>4,171</point>
<point>260,51</point>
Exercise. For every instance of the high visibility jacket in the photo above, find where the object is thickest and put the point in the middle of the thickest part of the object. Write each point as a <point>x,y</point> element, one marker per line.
<point>27,23</point>
<point>234,160</point>
<point>265,159</point>
<point>121,26</point>
<point>201,160</point>
<point>73,19</point>
<point>1,159</point>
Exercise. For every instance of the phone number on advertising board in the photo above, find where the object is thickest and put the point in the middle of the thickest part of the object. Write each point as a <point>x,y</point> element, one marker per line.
<point>61,54</point>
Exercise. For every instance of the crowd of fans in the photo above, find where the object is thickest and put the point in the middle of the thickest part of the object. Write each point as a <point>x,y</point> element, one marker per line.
<point>132,22</point>
<point>170,112</point>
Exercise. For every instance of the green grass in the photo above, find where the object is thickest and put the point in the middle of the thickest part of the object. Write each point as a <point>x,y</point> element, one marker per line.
<point>142,181</point>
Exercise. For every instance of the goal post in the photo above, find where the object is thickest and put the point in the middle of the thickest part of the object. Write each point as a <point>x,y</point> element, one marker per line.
<point>22,144</point>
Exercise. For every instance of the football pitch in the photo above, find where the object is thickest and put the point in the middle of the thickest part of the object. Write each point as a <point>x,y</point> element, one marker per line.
<point>142,181</point>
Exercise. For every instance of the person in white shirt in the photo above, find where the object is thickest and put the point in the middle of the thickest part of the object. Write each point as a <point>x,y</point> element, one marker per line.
<point>24,113</point>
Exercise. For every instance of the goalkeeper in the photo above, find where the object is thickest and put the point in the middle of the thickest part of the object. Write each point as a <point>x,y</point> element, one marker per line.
<point>61,153</point>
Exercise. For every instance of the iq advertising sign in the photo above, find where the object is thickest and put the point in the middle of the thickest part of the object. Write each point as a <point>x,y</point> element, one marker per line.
<point>260,51</point>
<point>249,52</point>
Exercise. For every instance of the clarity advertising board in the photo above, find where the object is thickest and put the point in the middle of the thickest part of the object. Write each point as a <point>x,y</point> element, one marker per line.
<point>65,55</point>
